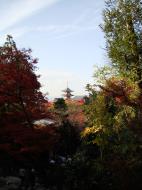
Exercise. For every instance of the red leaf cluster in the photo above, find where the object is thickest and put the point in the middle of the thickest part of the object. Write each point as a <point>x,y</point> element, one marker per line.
<point>25,144</point>
<point>19,86</point>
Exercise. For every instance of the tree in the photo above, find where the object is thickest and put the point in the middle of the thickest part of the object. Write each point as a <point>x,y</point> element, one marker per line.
<point>19,86</point>
<point>69,138</point>
<point>123,32</point>
<point>114,112</point>
<point>60,104</point>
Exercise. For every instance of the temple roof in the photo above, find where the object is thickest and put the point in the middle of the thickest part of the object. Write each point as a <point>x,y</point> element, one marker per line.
<point>67,90</point>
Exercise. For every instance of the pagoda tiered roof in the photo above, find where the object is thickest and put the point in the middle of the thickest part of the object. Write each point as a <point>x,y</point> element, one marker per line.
<point>67,93</point>
<point>67,90</point>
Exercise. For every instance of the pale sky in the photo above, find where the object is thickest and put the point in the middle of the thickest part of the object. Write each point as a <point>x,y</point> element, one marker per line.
<point>64,35</point>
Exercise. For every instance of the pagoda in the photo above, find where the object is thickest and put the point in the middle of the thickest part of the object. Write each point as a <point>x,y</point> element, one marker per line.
<point>68,93</point>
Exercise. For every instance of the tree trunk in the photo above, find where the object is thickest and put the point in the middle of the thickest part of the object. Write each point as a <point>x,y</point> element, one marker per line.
<point>25,113</point>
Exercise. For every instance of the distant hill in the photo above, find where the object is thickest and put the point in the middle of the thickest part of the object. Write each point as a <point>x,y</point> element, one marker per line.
<point>77,97</point>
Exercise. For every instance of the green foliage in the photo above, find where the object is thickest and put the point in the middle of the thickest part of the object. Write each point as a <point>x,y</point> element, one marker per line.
<point>60,104</point>
<point>100,111</point>
<point>123,33</point>
<point>92,92</point>
<point>111,141</point>
<point>102,74</point>
<point>125,115</point>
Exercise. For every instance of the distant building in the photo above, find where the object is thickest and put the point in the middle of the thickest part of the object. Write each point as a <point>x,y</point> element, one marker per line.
<point>68,93</point>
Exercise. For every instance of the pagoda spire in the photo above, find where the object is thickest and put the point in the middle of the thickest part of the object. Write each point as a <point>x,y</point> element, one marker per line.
<point>67,92</point>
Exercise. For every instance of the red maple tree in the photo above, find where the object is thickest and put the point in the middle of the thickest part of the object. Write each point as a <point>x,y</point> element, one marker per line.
<point>20,103</point>
<point>19,86</point>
